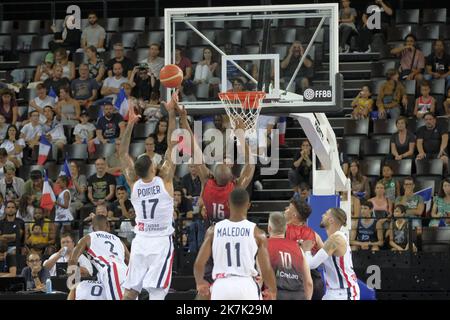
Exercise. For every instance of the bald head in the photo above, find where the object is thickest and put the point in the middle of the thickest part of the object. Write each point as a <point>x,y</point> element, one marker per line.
<point>277,224</point>
<point>100,223</point>
<point>222,174</point>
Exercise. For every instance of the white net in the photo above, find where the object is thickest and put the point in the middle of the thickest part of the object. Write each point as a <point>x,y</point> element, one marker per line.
<point>243,106</point>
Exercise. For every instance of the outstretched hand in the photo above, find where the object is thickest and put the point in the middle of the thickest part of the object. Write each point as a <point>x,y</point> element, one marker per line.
<point>132,116</point>
<point>172,104</point>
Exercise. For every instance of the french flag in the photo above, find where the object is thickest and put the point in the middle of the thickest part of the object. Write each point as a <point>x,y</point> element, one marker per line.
<point>427,195</point>
<point>48,197</point>
<point>52,93</point>
<point>121,104</point>
<point>44,149</point>
<point>65,171</point>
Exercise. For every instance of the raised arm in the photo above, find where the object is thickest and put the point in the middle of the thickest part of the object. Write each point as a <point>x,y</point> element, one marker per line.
<point>204,254</point>
<point>249,168</point>
<point>126,163</point>
<point>330,247</point>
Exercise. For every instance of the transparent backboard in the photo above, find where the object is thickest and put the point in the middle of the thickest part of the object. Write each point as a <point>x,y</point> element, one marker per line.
<point>289,51</point>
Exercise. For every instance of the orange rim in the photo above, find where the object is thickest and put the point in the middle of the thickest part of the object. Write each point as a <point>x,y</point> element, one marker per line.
<point>247,99</point>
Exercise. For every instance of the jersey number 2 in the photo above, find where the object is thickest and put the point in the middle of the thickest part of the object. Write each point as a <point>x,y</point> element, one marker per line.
<point>238,253</point>
<point>153,203</point>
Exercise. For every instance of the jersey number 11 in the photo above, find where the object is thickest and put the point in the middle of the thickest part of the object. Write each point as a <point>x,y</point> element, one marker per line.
<point>237,246</point>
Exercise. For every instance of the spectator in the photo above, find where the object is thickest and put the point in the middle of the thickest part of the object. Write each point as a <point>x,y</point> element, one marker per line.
<point>150,151</point>
<point>84,132</point>
<point>2,206</point>
<point>57,80</point>
<point>8,263</point>
<point>110,126</point>
<point>182,205</point>
<point>84,89</point>
<point>25,209</point>
<point>62,59</point>
<point>101,185</point>
<point>160,137</point>
<point>54,131</point>
<point>4,161</point>
<point>119,57</point>
<point>68,39</point>
<point>14,145</point>
<point>391,94</point>
<point>121,207</point>
<point>391,187</point>
<point>45,69</point>
<point>11,187</point>
<point>398,233</point>
<point>347,27</point>
<point>425,103</point>
<point>67,109</point>
<point>63,200</point>
<point>3,127</point>
<point>412,60</point>
<point>360,183</point>
<point>111,85</point>
<point>432,140</point>
<point>441,206</point>
<point>403,142</point>
<point>437,65</point>
<point>42,100</point>
<point>143,82</point>
<point>78,188</point>
<point>362,104</point>
<point>191,184</point>
<point>94,34</point>
<point>154,61</point>
<point>184,63</point>
<point>113,165</point>
<point>48,228</point>
<point>206,73</point>
<point>67,245</point>
<point>301,170</point>
<point>34,274</point>
<point>382,206</point>
<point>36,242</point>
<point>366,231</point>
<point>413,202</point>
<point>365,32</point>
<point>302,192</point>
<point>447,103</point>
<point>8,106</point>
<point>11,227</point>
<point>289,65</point>
<point>95,64</point>
<point>34,187</point>
<point>31,133</point>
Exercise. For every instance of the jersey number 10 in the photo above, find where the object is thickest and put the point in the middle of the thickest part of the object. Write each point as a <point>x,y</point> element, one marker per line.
<point>153,203</point>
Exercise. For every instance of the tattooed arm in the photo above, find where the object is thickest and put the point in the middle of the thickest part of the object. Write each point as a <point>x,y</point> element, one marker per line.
<point>335,245</point>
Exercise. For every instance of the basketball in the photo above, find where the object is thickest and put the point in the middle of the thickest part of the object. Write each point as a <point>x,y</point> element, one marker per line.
<point>171,76</point>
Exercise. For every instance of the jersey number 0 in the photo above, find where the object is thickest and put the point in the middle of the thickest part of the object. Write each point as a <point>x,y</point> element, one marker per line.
<point>153,203</point>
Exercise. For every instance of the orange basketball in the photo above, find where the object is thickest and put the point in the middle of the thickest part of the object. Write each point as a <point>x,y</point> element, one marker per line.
<point>171,76</point>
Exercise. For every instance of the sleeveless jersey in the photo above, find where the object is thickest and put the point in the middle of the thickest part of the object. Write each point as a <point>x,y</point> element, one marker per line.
<point>215,199</point>
<point>105,249</point>
<point>424,106</point>
<point>286,259</point>
<point>401,235</point>
<point>154,208</point>
<point>367,233</point>
<point>339,273</point>
<point>234,249</point>
<point>62,214</point>
<point>296,233</point>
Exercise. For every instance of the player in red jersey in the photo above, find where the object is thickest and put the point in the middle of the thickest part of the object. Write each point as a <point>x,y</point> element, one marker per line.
<point>296,215</point>
<point>293,277</point>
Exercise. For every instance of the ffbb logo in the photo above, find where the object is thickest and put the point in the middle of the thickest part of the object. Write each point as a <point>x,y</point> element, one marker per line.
<point>311,94</point>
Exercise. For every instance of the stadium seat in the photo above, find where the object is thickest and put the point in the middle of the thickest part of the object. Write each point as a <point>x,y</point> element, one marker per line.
<point>238,24</point>
<point>196,40</point>
<point>229,37</point>
<point>426,47</point>
<point>31,59</point>
<point>283,36</point>
<point>128,39</point>
<point>53,170</point>
<point>293,23</point>
<point>195,54</point>
<point>384,127</point>
<point>398,33</point>
<point>24,171</point>
<point>181,170</point>
<point>5,43</point>
<point>376,147</point>
<point>36,153</point>
<point>401,167</point>
<point>111,24</point>
<point>281,49</point>
<point>155,23</point>
<point>102,151</point>
<point>133,24</point>
<point>76,151</point>
<point>141,54</point>
<point>88,169</point>
<point>28,94</point>
<point>356,127</point>
<point>376,85</point>
<point>181,38</point>
<point>371,168</point>
<point>141,131</point>
<point>215,24</point>
<point>41,42</point>
<point>29,27</point>
<point>252,49</point>
<point>6,27</point>
<point>23,42</point>
<point>410,86</point>
<point>379,69</point>
<point>351,147</point>
<point>429,167</point>
<point>430,32</point>
<point>436,240</point>
<point>410,16</point>
<point>427,182</point>
<point>434,15</point>
<point>146,38</point>
<point>251,37</point>
<point>438,87</point>
<point>137,148</point>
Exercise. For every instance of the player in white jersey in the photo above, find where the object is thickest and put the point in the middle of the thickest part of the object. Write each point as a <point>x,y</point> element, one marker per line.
<point>235,245</point>
<point>336,256</point>
<point>88,290</point>
<point>152,250</point>
<point>108,255</point>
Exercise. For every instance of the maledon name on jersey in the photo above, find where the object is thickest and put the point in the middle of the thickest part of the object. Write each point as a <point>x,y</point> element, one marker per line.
<point>233,232</point>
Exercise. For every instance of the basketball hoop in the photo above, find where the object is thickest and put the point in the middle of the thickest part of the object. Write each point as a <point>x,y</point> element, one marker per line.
<point>244,106</point>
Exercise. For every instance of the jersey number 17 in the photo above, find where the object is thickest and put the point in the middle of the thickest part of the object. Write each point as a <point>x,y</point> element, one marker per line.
<point>153,203</point>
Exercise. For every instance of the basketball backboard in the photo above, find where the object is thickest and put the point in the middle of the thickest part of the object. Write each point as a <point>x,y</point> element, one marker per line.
<point>288,51</point>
